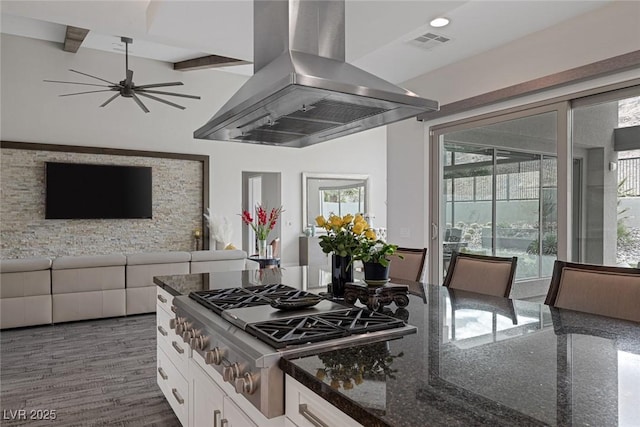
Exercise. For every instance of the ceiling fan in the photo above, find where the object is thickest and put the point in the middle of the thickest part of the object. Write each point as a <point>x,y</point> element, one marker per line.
<point>127,88</point>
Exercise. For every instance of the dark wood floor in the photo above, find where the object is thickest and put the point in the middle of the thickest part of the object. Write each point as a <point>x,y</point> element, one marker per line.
<point>98,372</point>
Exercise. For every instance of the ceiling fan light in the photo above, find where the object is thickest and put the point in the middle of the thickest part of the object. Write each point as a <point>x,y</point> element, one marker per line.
<point>127,88</point>
<point>439,22</point>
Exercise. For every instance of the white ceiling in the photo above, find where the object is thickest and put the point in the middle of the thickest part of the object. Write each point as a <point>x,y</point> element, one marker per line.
<point>377,31</point>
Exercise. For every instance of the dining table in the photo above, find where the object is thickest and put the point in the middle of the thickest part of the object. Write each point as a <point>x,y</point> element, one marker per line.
<point>483,360</point>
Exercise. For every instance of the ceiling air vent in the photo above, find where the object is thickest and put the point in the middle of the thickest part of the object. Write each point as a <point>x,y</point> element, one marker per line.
<point>428,40</point>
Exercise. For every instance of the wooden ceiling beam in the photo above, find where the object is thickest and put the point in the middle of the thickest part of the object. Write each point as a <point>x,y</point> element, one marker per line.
<point>74,38</point>
<point>210,61</point>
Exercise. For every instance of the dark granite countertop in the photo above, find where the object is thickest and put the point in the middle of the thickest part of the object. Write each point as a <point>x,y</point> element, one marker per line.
<point>479,360</point>
<point>475,360</point>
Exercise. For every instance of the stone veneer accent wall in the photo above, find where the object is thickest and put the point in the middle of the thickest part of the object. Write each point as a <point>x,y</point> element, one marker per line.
<point>24,232</point>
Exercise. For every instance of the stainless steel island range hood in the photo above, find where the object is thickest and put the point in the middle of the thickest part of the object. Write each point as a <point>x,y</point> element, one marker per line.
<point>302,91</point>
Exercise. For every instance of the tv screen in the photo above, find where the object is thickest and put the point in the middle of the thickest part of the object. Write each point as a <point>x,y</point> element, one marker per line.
<point>83,191</point>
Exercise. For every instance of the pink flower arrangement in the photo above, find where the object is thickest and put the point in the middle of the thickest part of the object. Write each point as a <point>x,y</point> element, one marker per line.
<point>264,222</point>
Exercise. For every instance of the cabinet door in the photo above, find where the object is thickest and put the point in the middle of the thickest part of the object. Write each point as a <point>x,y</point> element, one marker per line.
<point>304,408</point>
<point>234,417</point>
<point>207,402</point>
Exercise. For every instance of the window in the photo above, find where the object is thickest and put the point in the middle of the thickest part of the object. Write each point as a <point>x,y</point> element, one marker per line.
<point>342,200</point>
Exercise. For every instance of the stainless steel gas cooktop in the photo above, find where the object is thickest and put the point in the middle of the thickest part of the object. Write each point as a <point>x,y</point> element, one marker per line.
<point>243,333</point>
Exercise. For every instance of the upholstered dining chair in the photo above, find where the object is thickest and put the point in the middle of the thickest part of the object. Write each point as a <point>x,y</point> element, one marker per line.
<point>410,266</point>
<point>483,274</point>
<point>597,289</point>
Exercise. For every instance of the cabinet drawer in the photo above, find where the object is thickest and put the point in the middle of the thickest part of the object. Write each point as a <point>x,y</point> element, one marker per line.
<point>306,409</point>
<point>174,387</point>
<point>171,343</point>
<point>234,416</point>
<point>163,328</point>
<point>164,300</point>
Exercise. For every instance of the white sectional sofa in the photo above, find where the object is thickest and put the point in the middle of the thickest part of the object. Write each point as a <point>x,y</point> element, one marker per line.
<point>25,292</point>
<point>38,291</point>
<point>141,268</point>
<point>88,287</point>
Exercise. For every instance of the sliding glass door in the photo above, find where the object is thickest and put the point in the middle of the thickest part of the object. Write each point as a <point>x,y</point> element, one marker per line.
<point>545,182</point>
<point>606,141</point>
<point>497,191</point>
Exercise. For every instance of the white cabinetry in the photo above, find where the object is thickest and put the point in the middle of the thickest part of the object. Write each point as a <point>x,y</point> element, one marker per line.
<point>235,416</point>
<point>304,408</point>
<point>173,355</point>
<point>211,405</point>
<point>207,398</point>
<point>199,397</point>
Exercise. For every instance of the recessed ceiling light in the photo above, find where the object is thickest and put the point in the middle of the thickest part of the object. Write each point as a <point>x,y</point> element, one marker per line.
<point>439,22</point>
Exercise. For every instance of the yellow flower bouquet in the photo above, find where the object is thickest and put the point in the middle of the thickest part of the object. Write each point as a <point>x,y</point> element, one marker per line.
<point>344,234</point>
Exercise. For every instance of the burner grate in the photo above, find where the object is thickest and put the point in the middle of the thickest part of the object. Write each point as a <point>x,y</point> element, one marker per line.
<point>298,330</point>
<point>280,291</point>
<point>224,299</point>
<point>321,327</point>
<point>219,300</point>
<point>359,320</point>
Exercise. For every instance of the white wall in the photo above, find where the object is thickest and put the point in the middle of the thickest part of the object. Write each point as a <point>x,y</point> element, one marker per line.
<point>31,111</point>
<point>603,33</point>
<point>610,31</point>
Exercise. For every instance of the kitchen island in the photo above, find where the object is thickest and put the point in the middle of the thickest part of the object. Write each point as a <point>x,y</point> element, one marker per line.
<point>475,360</point>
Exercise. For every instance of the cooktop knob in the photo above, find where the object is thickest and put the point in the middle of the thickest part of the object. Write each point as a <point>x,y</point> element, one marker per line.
<point>198,342</point>
<point>248,384</point>
<point>176,321</point>
<point>188,334</point>
<point>231,372</point>
<point>213,356</point>
<point>182,327</point>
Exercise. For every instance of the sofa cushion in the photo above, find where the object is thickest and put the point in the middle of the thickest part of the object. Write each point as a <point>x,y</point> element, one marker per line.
<point>25,284</point>
<point>26,264</point>
<point>199,256</point>
<point>158,258</point>
<point>88,261</point>
<point>77,280</point>
<point>27,311</point>
<point>139,276</point>
<point>141,300</point>
<point>88,305</point>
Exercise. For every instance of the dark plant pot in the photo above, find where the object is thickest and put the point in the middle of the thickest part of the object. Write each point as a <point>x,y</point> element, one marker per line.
<point>341,273</point>
<point>375,271</point>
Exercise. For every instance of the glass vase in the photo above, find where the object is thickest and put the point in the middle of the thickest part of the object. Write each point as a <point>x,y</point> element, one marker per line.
<point>341,273</point>
<point>262,248</point>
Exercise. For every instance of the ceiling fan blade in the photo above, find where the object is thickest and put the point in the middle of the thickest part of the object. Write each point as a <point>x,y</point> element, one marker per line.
<point>155,98</point>
<point>140,104</point>
<point>129,78</point>
<point>110,99</point>
<point>75,83</point>
<point>159,92</point>
<point>160,85</point>
<point>94,77</point>
<point>82,93</point>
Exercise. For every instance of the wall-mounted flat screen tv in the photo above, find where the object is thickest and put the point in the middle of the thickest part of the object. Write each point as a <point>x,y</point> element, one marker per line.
<point>84,191</point>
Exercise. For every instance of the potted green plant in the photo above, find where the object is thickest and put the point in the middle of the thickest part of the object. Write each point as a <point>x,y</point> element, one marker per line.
<point>374,255</point>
